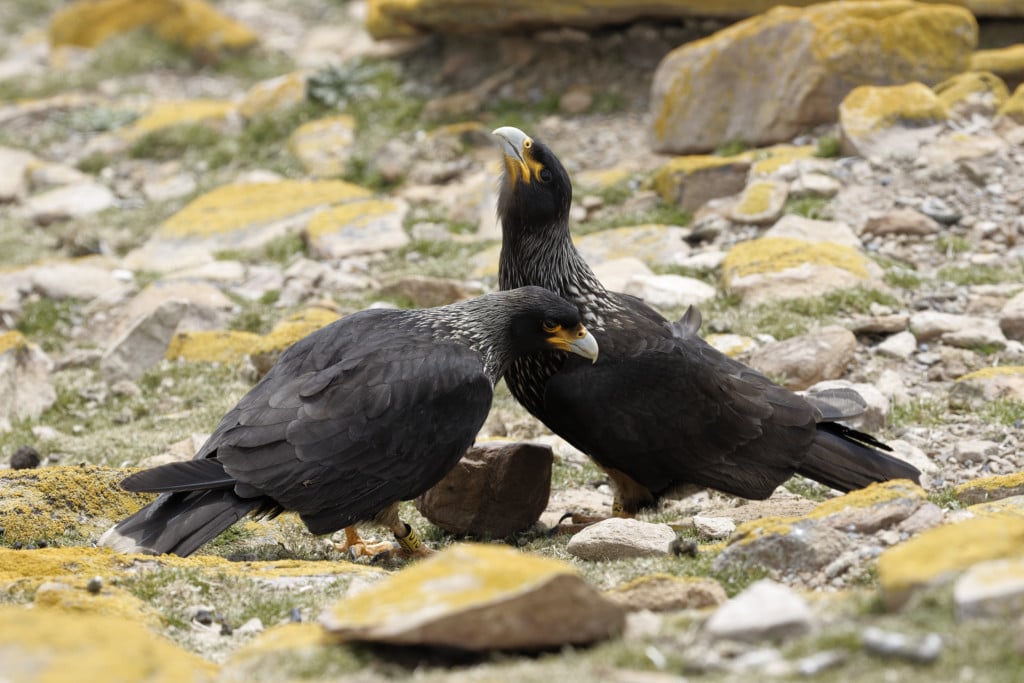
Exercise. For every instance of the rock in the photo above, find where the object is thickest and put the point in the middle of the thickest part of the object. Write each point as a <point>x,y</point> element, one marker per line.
<point>810,542</point>
<point>974,450</point>
<point>665,593</point>
<point>81,279</point>
<point>890,122</point>
<point>923,650</point>
<point>939,210</point>
<point>808,358</point>
<point>208,307</point>
<point>992,589</point>
<point>576,100</point>
<point>425,292</point>
<point>794,66</point>
<point>616,273</point>
<point>216,114</point>
<point>669,291</point>
<point>44,176</point>
<point>990,488</point>
<point>172,186</point>
<point>212,346</point>
<point>900,345</point>
<point>938,556</point>
<point>1012,506</point>
<point>324,146</point>
<point>760,203</point>
<point>93,646</point>
<point>63,504</point>
<point>972,93</point>
<point>144,343</point>
<point>901,221</point>
<point>653,244</point>
<point>190,23</point>
<point>274,95</point>
<point>714,527</point>
<point>814,185</point>
<point>241,216</point>
<point>358,228</point>
<point>876,412</point>
<point>765,610</point>
<point>1011,318</point>
<point>732,345</point>
<point>25,387</point>
<point>25,458</point>
<point>72,201</point>
<point>964,331</point>
<point>773,268</point>
<point>478,597</point>
<point>14,179</point>
<point>689,182</point>
<point>811,230</point>
<point>495,490</point>
<point>988,384</point>
<point>616,538</point>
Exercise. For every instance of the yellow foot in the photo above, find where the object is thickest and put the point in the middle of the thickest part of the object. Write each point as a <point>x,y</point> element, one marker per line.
<point>355,547</point>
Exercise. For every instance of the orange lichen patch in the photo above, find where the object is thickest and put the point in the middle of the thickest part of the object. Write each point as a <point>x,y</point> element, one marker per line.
<point>174,113</point>
<point>939,555</point>
<point>247,205</point>
<point>88,647</point>
<point>191,23</point>
<point>775,254</point>
<point>63,504</point>
<point>990,488</point>
<point>212,346</point>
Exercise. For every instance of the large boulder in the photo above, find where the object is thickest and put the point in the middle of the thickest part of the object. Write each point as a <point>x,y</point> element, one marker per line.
<point>769,78</point>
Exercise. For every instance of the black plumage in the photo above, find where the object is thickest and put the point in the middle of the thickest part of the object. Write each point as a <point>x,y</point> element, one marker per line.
<point>661,407</point>
<point>370,410</point>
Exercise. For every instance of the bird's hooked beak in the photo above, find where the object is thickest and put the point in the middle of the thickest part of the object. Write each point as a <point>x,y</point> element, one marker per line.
<point>576,340</point>
<point>515,148</point>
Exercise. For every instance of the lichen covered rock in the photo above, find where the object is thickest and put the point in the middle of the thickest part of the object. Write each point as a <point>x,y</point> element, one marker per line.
<point>478,597</point>
<point>324,145</point>
<point>25,387</point>
<point>217,114</point>
<point>769,78</point>
<point>268,348</point>
<point>358,227</point>
<point>990,488</point>
<point>973,92</point>
<point>876,119</point>
<point>212,346</point>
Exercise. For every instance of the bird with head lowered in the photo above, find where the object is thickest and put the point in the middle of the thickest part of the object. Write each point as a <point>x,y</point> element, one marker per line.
<point>366,412</point>
<point>662,407</point>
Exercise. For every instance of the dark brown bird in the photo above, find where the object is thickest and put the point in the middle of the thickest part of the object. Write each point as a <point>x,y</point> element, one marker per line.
<point>661,407</point>
<point>366,412</point>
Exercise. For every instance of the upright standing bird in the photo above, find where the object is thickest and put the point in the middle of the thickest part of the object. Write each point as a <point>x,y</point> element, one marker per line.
<point>368,411</point>
<point>662,407</point>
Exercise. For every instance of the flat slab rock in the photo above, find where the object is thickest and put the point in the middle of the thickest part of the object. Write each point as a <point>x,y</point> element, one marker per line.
<point>617,538</point>
<point>766,609</point>
<point>478,597</point>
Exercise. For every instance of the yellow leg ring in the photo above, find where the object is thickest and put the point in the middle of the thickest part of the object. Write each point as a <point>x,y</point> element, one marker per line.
<point>411,542</point>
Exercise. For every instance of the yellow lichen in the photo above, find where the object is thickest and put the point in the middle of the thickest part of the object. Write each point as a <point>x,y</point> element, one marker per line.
<point>1013,108</point>
<point>293,328</point>
<point>992,372</point>
<point>1004,61</point>
<point>274,94</point>
<point>960,88</point>
<point>989,488</point>
<point>603,178</point>
<point>72,595</point>
<point>87,647</point>
<point>191,23</point>
<point>323,146</point>
<point>869,108</point>
<point>771,159</point>
<point>12,340</point>
<point>173,113</point>
<point>63,503</point>
<point>212,346</point>
<point>756,198</point>
<point>236,207</point>
<point>674,173</point>
<point>1012,506</point>
<point>445,581</point>
<point>354,213</point>
<point>775,254</point>
<point>939,555</point>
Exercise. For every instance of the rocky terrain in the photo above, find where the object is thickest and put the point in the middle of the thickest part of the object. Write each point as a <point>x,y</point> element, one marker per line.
<point>187,189</point>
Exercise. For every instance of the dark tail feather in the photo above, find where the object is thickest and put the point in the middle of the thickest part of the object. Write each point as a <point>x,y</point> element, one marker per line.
<point>190,475</point>
<point>179,523</point>
<point>846,459</point>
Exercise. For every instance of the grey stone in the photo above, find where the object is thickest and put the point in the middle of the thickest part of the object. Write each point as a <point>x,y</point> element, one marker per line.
<point>664,592</point>
<point>814,185</point>
<point>79,280</point>
<point>208,307</point>
<point>496,489</point>
<point>901,221</point>
<point>45,176</point>
<point>67,202</point>
<point>811,230</point>
<point>424,292</point>
<point>805,546</point>
<point>993,589</point>
<point>668,291</point>
<point>808,358</point>
<point>381,228</point>
<point>169,187</point>
<point>930,325</point>
<point>901,345</point>
<point>923,649</point>
<point>25,386</point>
<point>764,610</point>
<point>618,538</point>
<point>616,273</point>
<point>144,343</point>
<point>1011,318</point>
<point>714,527</point>
<point>655,244</point>
<point>974,450</point>
<point>760,203</point>
<point>13,180</point>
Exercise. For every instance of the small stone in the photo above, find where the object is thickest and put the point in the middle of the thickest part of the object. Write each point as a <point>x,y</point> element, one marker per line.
<point>576,100</point>
<point>901,345</point>
<point>814,185</point>
<point>991,589</point>
<point>760,203</point>
<point>203,615</point>
<point>939,210</point>
<point>901,221</point>
<point>496,489</point>
<point>324,146</point>
<point>923,650</point>
<point>618,538</point>
<point>764,610</point>
<point>811,230</point>
<point>714,527</point>
<point>615,273</point>
<point>144,344</point>
<point>95,585</point>
<point>974,450</point>
<point>664,592</point>
<point>25,458</point>
<point>25,375</point>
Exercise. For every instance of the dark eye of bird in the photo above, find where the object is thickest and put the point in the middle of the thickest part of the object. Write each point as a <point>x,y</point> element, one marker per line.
<point>550,325</point>
<point>545,175</point>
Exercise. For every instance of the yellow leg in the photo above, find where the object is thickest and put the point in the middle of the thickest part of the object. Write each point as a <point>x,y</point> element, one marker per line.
<point>355,547</point>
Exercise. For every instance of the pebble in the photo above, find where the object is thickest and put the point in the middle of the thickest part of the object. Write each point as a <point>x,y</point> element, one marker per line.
<point>617,538</point>
<point>764,610</point>
<point>95,585</point>
<point>939,210</point>
<point>922,650</point>
<point>25,458</point>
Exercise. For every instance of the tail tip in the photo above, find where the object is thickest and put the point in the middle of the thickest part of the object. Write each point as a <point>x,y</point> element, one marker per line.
<point>118,542</point>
